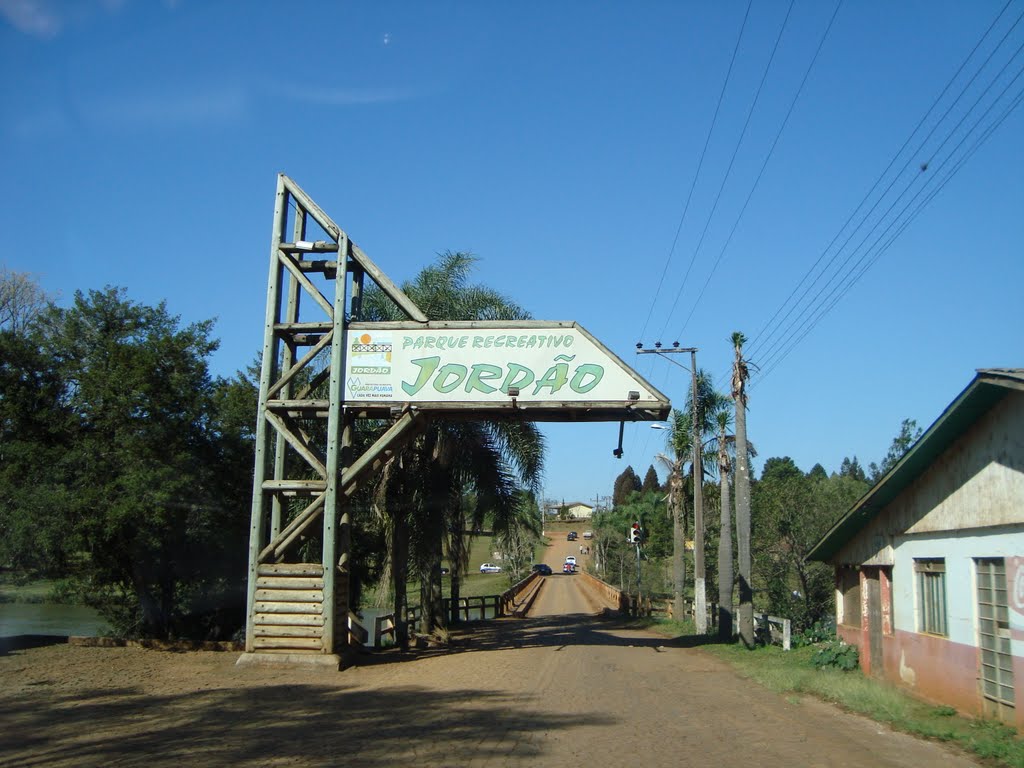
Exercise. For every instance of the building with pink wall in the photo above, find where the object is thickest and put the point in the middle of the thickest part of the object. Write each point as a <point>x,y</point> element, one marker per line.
<point>929,563</point>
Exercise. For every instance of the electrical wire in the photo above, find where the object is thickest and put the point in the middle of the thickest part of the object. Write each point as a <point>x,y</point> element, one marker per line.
<point>814,304</point>
<point>875,250</point>
<point>728,170</point>
<point>764,165</point>
<point>756,341</point>
<point>700,164</point>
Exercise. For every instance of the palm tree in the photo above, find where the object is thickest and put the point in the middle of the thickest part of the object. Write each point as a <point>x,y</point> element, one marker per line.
<point>680,443</point>
<point>725,566</point>
<point>740,375</point>
<point>701,409</point>
<point>421,495</point>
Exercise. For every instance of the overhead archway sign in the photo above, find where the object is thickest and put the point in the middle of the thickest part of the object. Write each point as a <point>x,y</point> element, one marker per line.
<point>537,370</point>
<point>403,373</point>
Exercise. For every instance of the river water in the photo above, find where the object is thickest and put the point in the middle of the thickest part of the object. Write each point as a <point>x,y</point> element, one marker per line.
<point>49,619</point>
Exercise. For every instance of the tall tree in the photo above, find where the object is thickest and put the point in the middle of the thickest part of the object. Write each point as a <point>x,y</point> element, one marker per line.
<point>851,468</point>
<point>740,376</point>
<point>725,560</point>
<point>37,429</point>
<point>651,483</point>
<point>701,407</point>
<point>793,511</point>
<point>680,445</point>
<point>147,498</point>
<point>909,434</point>
<point>491,459</point>
<point>21,300</point>
<point>625,484</point>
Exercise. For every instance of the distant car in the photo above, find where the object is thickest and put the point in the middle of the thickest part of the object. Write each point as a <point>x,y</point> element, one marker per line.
<point>543,569</point>
<point>571,536</point>
<point>588,534</point>
<point>444,571</point>
<point>490,568</point>
<point>568,567</point>
<point>571,559</point>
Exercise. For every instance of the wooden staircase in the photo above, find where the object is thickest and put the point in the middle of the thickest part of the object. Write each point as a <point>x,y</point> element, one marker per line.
<point>289,612</point>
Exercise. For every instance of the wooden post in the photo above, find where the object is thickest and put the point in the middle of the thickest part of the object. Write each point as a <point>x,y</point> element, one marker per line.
<point>335,595</point>
<point>270,347</point>
<point>287,361</point>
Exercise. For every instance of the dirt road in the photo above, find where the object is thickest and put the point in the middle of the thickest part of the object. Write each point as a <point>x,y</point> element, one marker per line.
<point>562,687</point>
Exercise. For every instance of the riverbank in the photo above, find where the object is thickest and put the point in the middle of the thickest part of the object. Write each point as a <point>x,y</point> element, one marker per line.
<point>28,609</point>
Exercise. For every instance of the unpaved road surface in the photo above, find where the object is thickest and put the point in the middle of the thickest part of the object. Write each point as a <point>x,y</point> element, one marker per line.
<point>560,688</point>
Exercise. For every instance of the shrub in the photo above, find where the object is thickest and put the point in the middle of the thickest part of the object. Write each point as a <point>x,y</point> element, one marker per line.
<point>836,654</point>
<point>819,632</point>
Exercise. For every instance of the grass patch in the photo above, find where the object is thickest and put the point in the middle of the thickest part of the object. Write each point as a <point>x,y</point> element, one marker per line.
<point>793,672</point>
<point>14,589</point>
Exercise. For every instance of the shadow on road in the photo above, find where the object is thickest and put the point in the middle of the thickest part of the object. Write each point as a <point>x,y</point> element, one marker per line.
<point>577,629</point>
<point>292,724</point>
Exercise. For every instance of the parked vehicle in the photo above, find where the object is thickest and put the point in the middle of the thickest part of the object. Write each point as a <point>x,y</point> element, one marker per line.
<point>571,536</point>
<point>490,568</point>
<point>542,568</point>
<point>588,534</point>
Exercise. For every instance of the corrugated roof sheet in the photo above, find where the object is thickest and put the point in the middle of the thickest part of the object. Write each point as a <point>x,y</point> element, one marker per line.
<point>989,386</point>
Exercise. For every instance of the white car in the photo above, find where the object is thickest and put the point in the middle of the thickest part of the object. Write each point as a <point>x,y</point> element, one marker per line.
<point>588,534</point>
<point>571,559</point>
<point>490,568</point>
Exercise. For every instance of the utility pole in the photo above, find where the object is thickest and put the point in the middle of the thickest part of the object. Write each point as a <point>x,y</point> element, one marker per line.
<point>700,606</point>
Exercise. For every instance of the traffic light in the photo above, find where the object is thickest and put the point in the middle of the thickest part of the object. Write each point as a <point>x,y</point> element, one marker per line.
<point>635,534</point>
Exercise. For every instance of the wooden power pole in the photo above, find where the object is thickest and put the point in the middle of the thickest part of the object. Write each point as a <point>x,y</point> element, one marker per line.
<point>700,606</point>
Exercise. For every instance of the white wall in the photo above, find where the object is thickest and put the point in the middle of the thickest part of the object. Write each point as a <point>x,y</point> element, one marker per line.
<point>959,549</point>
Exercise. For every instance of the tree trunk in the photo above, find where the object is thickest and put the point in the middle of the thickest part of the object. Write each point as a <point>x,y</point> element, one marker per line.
<point>746,610</point>
<point>678,544</point>
<point>400,577</point>
<point>725,574</point>
<point>455,569</point>
<point>430,582</point>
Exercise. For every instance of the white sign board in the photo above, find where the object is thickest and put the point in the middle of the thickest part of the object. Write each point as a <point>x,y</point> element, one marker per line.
<point>560,363</point>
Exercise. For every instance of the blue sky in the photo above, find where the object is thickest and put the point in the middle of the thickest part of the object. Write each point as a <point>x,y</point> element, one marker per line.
<point>557,141</point>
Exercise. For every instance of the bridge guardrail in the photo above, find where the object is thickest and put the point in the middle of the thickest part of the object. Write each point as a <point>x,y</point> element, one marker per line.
<point>773,629</point>
<point>507,603</point>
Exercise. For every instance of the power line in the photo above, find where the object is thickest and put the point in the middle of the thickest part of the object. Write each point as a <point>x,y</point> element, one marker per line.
<point>811,306</point>
<point>700,164</point>
<point>756,342</point>
<point>846,284</point>
<point>764,165</point>
<point>728,170</point>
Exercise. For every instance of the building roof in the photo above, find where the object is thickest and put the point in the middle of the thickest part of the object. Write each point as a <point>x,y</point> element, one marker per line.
<point>989,386</point>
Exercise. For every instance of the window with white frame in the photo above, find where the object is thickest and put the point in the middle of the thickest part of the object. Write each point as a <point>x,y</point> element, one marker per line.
<point>930,577</point>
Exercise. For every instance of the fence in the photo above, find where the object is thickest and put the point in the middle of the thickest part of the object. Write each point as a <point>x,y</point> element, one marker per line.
<point>513,601</point>
<point>768,629</point>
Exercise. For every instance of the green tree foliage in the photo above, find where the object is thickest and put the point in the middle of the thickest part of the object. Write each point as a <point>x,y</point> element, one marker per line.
<point>791,512</point>
<point>616,557</point>
<point>625,484</point>
<point>149,470</point>
<point>909,434</point>
<point>651,483</point>
<point>421,494</point>
<point>36,432</point>
<point>21,300</point>
<point>851,468</point>
<point>817,472</point>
